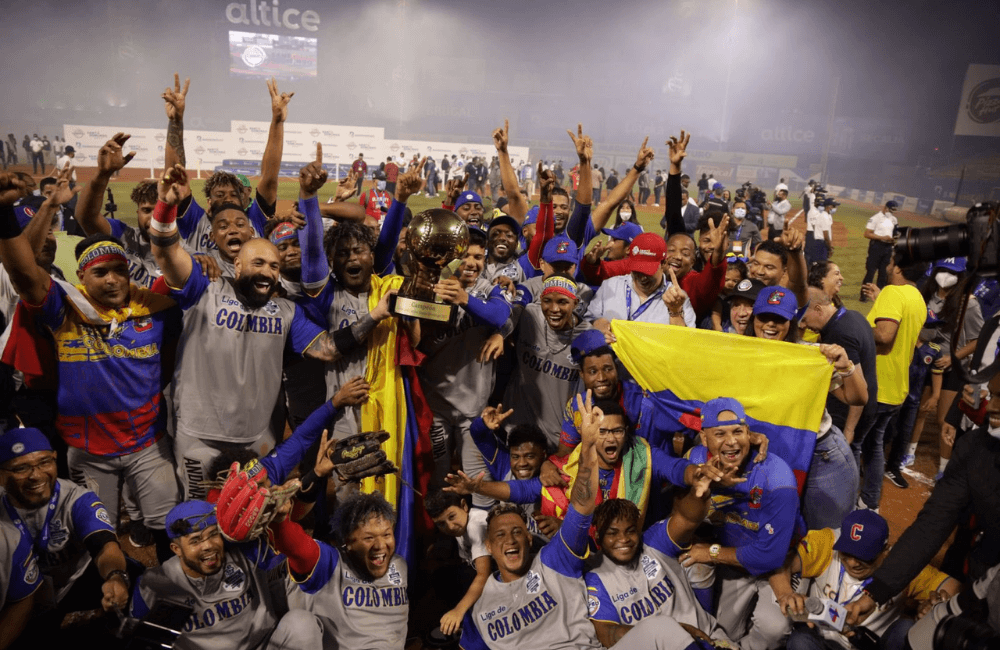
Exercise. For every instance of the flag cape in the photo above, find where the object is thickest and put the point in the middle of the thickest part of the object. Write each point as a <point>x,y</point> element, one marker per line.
<point>632,480</point>
<point>782,386</point>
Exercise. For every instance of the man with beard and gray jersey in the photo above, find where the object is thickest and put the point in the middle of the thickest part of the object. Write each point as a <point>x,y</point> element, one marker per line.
<point>456,383</point>
<point>341,300</point>
<point>501,247</point>
<point>540,602</point>
<point>234,336</point>
<point>226,585</point>
<point>358,589</point>
<point>637,574</point>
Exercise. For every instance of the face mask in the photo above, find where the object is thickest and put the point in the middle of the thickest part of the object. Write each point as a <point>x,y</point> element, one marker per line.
<point>833,211</point>
<point>625,215</point>
<point>945,280</point>
<point>380,185</point>
<point>740,213</point>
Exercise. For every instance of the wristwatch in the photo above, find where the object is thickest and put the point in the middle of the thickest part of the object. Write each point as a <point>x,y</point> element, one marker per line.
<point>714,550</point>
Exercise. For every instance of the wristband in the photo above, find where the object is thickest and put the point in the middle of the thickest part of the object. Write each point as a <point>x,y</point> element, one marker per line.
<point>638,168</point>
<point>164,242</point>
<point>675,313</point>
<point>121,574</point>
<point>848,373</point>
<point>9,228</point>
<point>164,216</point>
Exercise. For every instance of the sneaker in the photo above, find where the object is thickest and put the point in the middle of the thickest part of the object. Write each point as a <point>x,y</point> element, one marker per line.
<point>908,460</point>
<point>138,535</point>
<point>896,477</point>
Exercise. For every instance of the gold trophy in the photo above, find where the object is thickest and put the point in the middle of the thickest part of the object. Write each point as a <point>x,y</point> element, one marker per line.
<point>436,237</point>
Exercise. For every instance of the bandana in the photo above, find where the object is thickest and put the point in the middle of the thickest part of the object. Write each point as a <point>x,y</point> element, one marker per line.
<point>560,285</point>
<point>102,251</point>
<point>282,232</point>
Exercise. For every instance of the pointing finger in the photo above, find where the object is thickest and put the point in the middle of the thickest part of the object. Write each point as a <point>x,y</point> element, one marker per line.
<point>579,129</point>
<point>420,167</point>
<point>128,158</point>
<point>506,126</point>
<point>319,153</point>
<point>644,143</point>
<point>177,82</point>
<point>673,276</point>
<point>187,84</point>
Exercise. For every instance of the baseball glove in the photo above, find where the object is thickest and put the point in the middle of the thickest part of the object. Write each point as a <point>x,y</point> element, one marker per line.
<point>245,508</point>
<point>360,456</point>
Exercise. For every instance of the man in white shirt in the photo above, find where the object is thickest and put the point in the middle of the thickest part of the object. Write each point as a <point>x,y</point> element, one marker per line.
<point>879,233</point>
<point>778,212</point>
<point>37,157</point>
<point>821,224</point>
<point>68,158</point>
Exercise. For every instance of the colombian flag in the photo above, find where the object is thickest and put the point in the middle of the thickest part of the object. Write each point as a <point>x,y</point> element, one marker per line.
<point>782,386</point>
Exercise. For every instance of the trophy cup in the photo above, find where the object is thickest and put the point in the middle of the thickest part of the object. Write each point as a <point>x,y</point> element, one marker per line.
<point>435,238</point>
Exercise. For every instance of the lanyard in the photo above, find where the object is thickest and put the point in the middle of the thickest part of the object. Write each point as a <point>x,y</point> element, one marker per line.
<point>43,544</point>
<point>739,232</point>
<point>840,312</point>
<point>644,306</point>
<point>840,582</point>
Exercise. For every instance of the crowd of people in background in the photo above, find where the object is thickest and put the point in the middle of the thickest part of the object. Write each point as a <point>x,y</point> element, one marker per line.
<point>218,335</point>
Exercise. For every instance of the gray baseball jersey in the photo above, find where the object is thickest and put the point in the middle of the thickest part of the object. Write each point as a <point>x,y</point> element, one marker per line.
<point>493,270</point>
<point>228,375</point>
<point>454,382</point>
<point>356,613</point>
<point>18,565</point>
<point>225,266</point>
<point>545,608</point>
<point>234,608</point>
<point>655,585</point>
<point>545,373</point>
<point>142,266</point>
<point>60,532</point>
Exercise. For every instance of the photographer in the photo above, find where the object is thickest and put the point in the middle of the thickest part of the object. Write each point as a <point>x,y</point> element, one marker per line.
<point>970,620</point>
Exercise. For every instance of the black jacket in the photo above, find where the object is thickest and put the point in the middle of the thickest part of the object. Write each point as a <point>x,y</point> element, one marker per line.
<point>972,477</point>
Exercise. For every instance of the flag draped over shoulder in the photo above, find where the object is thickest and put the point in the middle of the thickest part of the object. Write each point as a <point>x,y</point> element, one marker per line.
<point>782,386</point>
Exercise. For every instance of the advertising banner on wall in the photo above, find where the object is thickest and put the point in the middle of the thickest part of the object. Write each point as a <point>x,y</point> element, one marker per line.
<point>979,110</point>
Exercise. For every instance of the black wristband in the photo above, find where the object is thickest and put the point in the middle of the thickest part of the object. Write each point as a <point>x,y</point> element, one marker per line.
<point>344,341</point>
<point>638,168</point>
<point>307,490</point>
<point>164,242</point>
<point>9,228</point>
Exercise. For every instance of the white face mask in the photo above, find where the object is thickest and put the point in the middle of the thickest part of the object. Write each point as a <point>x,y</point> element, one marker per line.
<point>625,215</point>
<point>740,213</point>
<point>945,280</point>
<point>380,185</point>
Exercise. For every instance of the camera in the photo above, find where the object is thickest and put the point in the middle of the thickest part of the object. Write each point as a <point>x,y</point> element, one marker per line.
<point>963,633</point>
<point>978,239</point>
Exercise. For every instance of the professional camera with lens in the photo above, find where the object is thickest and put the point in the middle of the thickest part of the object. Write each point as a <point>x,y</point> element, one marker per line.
<point>978,239</point>
<point>965,633</point>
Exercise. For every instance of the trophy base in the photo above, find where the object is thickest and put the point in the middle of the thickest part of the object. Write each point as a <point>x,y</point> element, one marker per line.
<point>422,309</point>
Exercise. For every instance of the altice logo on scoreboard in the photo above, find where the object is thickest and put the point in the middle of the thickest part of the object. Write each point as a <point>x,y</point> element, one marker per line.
<point>271,15</point>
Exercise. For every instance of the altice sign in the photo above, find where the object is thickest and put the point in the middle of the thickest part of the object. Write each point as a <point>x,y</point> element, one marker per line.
<point>270,14</point>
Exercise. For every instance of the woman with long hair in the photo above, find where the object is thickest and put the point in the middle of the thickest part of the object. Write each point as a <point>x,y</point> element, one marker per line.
<point>826,275</point>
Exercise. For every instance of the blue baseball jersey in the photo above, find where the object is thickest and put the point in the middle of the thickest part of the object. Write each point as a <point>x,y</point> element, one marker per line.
<point>924,357</point>
<point>19,575</point>
<point>545,608</point>
<point>758,517</point>
<point>195,227</point>
<point>116,353</point>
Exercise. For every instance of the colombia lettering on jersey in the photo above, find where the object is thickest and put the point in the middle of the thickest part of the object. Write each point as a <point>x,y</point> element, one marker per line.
<point>243,322</point>
<point>547,367</point>
<point>369,596</point>
<point>659,593</point>
<point>219,612</point>
<point>522,617</point>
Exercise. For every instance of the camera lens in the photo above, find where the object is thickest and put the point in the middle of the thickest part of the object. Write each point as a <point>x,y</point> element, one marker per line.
<point>926,244</point>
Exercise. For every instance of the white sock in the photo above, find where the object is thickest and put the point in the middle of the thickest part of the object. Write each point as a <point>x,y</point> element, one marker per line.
<point>912,451</point>
<point>943,464</point>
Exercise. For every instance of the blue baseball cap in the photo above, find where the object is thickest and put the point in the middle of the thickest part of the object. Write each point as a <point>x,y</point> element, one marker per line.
<point>779,301</point>
<point>954,264</point>
<point>560,249</point>
<point>505,220</point>
<point>586,343</point>
<point>626,232</point>
<point>198,515</point>
<point>532,217</point>
<point>467,197</point>
<point>21,442</point>
<point>712,408</point>
<point>863,534</point>
<point>717,186</point>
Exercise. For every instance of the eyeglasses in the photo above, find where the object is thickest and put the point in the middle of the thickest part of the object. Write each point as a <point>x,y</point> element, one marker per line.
<point>24,471</point>
<point>617,431</point>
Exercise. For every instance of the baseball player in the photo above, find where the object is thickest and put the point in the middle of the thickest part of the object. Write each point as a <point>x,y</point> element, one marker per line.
<point>544,376</point>
<point>68,527</point>
<point>342,301</point>
<point>108,335</point>
<point>19,580</point>
<point>455,383</point>
<point>358,589</point>
<point>837,565</point>
<point>754,522</point>
<point>224,187</point>
<point>501,250</point>
<point>226,586</point>
<point>559,255</point>
<point>235,333</point>
<point>637,574</point>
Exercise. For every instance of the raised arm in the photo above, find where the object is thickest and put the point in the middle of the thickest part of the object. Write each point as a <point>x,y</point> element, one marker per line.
<point>29,279</point>
<point>173,260</point>
<point>793,241</point>
<point>602,213</point>
<point>88,208</point>
<point>175,100</point>
<point>315,268</point>
<point>407,185</point>
<point>673,212</point>
<point>587,485</point>
<point>271,162</point>
<point>517,205</point>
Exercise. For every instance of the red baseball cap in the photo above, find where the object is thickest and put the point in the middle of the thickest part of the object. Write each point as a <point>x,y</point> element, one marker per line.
<point>646,252</point>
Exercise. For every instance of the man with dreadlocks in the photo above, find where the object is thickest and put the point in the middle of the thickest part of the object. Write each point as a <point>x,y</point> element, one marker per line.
<point>227,587</point>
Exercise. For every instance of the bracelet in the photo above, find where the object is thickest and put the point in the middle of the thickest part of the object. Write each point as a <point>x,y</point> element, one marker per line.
<point>121,574</point>
<point>165,242</point>
<point>638,168</point>
<point>845,375</point>
<point>675,313</point>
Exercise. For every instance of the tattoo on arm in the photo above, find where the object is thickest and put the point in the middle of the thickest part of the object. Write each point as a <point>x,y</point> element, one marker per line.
<point>363,327</point>
<point>323,348</point>
<point>175,138</point>
<point>583,491</point>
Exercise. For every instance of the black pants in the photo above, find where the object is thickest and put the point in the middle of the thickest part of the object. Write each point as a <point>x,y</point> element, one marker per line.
<point>643,195</point>
<point>37,160</point>
<point>879,254</point>
<point>656,194</point>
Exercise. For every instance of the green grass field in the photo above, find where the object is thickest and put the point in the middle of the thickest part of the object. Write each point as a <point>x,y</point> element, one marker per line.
<point>850,248</point>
